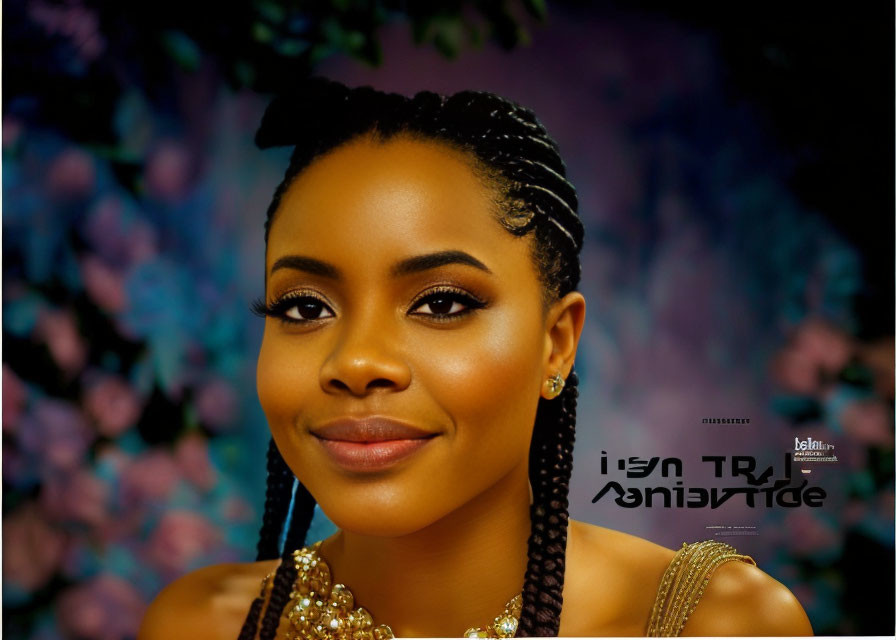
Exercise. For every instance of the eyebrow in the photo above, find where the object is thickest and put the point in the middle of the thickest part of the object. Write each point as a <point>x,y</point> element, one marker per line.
<point>308,265</point>
<point>415,264</point>
<point>428,261</point>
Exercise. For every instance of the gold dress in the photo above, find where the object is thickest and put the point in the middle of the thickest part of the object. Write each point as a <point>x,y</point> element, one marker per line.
<point>683,584</point>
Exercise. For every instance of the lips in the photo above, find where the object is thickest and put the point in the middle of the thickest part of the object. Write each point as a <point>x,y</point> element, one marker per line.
<point>370,444</point>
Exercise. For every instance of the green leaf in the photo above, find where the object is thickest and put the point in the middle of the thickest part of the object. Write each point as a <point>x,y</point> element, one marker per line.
<point>271,11</point>
<point>262,33</point>
<point>537,8</point>
<point>291,47</point>
<point>244,72</point>
<point>182,49</point>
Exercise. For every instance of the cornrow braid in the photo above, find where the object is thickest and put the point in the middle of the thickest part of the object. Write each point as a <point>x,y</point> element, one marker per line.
<point>278,493</point>
<point>510,149</point>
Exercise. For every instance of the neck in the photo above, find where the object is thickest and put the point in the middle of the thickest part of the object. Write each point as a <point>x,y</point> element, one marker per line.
<point>454,574</point>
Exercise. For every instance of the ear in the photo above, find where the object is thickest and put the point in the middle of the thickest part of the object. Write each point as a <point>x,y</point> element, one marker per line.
<point>563,326</point>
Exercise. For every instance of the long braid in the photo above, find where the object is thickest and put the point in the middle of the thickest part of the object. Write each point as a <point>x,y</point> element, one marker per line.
<point>285,576</point>
<point>550,468</point>
<point>276,504</point>
<point>514,153</point>
<point>279,493</point>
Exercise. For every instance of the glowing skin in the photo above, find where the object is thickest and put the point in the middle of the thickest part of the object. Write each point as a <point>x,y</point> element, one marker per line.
<point>473,379</point>
<point>380,346</point>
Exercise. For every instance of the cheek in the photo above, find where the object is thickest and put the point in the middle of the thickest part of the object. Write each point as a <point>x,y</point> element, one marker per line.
<point>283,379</point>
<point>489,383</point>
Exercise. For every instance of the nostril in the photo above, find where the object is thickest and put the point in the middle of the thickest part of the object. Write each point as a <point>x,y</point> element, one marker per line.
<point>339,384</point>
<point>380,382</point>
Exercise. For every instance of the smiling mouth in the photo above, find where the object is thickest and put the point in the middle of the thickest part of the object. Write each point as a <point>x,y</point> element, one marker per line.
<point>370,444</point>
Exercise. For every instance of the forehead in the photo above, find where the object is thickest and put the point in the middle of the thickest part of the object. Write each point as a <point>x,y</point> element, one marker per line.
<point>397,198</point>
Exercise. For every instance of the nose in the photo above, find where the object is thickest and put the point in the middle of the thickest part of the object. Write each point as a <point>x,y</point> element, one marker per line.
<point>363,360</point>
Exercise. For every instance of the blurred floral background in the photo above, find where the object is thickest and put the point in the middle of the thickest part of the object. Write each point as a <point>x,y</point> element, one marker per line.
<point>735,177</point>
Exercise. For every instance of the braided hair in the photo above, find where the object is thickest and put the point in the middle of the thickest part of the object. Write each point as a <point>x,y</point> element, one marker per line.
<point>510,150</point>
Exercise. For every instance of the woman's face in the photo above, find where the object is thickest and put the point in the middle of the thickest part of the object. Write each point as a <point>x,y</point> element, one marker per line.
<point>402,374</point>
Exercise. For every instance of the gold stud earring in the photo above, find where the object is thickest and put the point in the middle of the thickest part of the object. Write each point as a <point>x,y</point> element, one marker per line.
<point>553,386</point>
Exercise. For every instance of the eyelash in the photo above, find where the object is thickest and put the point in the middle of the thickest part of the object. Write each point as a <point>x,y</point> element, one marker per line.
<point>470,303</point>
<point>280,307</point>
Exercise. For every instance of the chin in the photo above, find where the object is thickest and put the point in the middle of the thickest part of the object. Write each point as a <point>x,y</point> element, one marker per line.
<point>378,509</point>
<point>379,520</point>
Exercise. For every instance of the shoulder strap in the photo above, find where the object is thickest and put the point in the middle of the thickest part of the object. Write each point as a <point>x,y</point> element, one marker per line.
<point>683,584</point>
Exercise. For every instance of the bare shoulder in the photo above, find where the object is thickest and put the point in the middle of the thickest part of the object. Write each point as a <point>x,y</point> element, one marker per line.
<point>611,581</point>
<point>740,600</point>
<point>206,604</point>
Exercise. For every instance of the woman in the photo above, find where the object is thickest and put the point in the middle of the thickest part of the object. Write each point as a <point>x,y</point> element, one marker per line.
<point>417,375</point>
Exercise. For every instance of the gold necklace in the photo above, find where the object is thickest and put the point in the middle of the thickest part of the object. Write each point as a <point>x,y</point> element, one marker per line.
<point>321,610</point>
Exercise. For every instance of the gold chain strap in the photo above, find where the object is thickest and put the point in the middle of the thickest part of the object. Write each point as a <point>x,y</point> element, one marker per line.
<point>683,584</point>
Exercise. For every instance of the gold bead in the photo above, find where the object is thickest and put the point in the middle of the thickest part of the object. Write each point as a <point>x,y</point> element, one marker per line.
<point>365,620</point>
<point>553,386</point>
<point>506,626</point>
<point>383,632</point>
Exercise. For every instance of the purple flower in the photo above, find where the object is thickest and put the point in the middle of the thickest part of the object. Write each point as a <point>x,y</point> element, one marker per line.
<point>77,496</point>
<point>104,608</point>
<point>117,234</point>
<point>56,433</point>
<point>217,404</point>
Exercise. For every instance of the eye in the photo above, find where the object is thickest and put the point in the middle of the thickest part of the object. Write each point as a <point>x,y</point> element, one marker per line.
<point>296,308</point>
<point>445,304</point>
<point>306,308</point>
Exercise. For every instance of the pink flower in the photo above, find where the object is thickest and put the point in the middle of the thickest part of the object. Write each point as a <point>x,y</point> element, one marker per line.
<point>77,23</point>
<point>113,404</point>
<point>12,131</point>
<point>795,372</point>
<point>151,477</point>
<point>868,421</point>
<point>56,433</point>
<point>825,345</point>
<point>142,244</point>
<point>194,462</point>
<point>169,172</point>
<point>71,174</point>
<point>236,509</point>
<point>32,548</point>
<point>58,330</point>
<point>217,405</point>
<point>78,496</point>
<point>817,352</point>
<point>180,539</point>
<point>104,608</point>
<point>104,285</point>
<point>119,237</point>
<point>14,396</point>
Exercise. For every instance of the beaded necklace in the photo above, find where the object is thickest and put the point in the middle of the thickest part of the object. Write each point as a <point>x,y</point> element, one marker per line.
<point>321,610</point>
